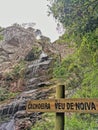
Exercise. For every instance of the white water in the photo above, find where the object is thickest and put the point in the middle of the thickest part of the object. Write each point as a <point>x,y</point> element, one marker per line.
<point>8,125</point>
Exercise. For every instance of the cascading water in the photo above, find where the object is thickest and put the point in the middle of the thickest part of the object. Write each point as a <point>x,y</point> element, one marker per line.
<point>8,125</point>
<point>19,102</point>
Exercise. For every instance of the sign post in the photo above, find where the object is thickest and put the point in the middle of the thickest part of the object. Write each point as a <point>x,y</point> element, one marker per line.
<point>60,105</point>
<point>59,123</point>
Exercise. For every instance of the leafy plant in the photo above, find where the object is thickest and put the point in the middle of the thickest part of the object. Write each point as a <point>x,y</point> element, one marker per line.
<point>33,54</point>
<point>46,123</point>
<point>77,16</point>
<point>5,94</point>
<point>72,121</point>
<point>17,71</point>
<point>80,122</point>
<point>80,20</point>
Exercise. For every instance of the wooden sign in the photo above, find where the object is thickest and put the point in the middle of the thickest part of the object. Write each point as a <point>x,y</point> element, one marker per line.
<point>63,105</point>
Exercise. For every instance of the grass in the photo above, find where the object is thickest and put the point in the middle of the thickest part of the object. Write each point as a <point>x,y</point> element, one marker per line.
<point>46,123</point>
<point>72,122</point>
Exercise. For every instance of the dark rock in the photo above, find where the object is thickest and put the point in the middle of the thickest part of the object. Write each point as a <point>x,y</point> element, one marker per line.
<point>22,114</point>
<point>42,84</point>
<point>33,54</point>
<point>30,56</point>
<point>23,125</point>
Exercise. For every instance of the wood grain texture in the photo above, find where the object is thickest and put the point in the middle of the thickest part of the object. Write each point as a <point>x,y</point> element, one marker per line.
<point>63,105</point>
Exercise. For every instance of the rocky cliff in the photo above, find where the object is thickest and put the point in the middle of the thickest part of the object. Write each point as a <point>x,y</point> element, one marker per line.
<point>17,42</point>
<point>25,65</point>
<point>21,65</point>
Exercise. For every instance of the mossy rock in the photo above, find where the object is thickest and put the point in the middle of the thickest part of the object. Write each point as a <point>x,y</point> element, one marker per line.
<point>33,54</point>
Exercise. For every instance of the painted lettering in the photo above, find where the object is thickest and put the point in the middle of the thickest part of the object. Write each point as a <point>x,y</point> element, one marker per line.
<point>85,106</point>
<point>60,105</point>
<point>39,106</point>
<point>70,106</point>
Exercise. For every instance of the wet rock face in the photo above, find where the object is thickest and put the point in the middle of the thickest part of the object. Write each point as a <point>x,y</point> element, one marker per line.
<point>23,125</point>
<point>33,54</point>
<point>22,120</point>
<point>20,44</point>
<point>38,73</point>
<point>18,104</point>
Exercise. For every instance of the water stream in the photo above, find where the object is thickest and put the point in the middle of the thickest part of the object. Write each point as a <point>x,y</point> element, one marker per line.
<point>7,125</point>
<point>19,102</point>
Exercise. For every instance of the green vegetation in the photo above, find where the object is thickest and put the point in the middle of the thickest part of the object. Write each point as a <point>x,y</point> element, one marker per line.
<point>72,122</point>
<point>46,123</point>
<point>1,29</point>
<point>34,53</point>
<point>80,122</point>
<point>5,94</point>
<point>17,71</point>
<point>77,16</point>
<point>80,20</point>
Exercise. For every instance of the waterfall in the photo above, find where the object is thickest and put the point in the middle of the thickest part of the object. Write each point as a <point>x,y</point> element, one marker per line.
<point>35,70</point>
<point>8,125</point>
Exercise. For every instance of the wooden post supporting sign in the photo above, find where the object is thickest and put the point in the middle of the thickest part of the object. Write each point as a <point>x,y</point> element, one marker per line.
<point>59,123</point>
